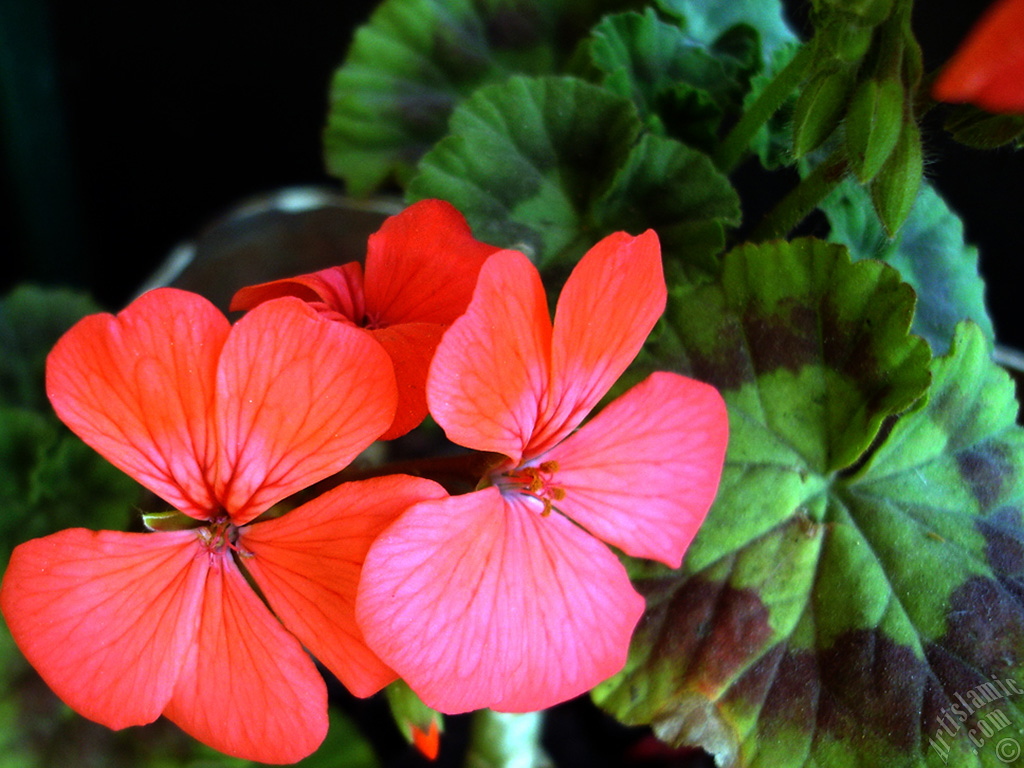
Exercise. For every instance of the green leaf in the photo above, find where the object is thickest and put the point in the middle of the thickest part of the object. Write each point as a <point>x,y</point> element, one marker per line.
<point>930,253</point>
<point>416,60</point>
<point>832,613</point>
<point>550,165</point>
<point>679,85</point>
<point>506,740</point>
<point>982,130</point>
<point>706,20</point>
<point>31,321</point>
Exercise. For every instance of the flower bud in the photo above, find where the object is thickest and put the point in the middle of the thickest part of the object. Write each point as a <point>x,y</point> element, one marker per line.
<point>874,121</point>
<point>818,110</point>
<point>895,187</point>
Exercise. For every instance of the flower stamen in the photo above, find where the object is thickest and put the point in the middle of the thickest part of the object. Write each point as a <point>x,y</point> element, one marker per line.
<point>534,481</point>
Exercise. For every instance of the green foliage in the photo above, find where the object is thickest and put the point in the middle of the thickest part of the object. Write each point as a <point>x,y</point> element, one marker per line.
<point>681,87</point>
<point>895,187</point>
<point>550,165</point>
<point>416,60</point>
<point>862,563</point>
<point>983,130</point>
<point>874,120</point>
<point>706,20</point>
<point>930,253</point>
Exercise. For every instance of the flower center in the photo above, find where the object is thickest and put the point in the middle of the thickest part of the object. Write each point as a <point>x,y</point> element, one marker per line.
<point>219,535</point>
<point>533,481</point>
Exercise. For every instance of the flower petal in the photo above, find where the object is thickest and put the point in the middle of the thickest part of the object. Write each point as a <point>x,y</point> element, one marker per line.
<point>307,564</point>
<point>988,68</point>
<point>139,388</point>
<point>476,603</point>
<point>298,397</point>
<point>422,266</point>
<point>643,472</point>
<point>491,369</point>
<point>106,618</point>
<point>337,291</point>
<point>411,348</point>
<point>246,687</point>
<point>609,305</point>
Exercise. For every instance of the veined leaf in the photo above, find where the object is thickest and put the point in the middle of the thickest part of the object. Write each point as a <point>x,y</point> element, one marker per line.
<point>415,60</point>
<point>550,165</point>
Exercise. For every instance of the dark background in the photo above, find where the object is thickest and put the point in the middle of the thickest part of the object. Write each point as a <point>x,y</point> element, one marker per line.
<point>148,120</point>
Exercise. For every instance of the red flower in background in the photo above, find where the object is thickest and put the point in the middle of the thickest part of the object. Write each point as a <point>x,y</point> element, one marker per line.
<point>222,423</point>
<point>988,68</point>
<point>506,597</point>
<point>421,268</point>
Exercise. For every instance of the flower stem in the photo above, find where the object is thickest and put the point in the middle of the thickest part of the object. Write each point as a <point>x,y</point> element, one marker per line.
<point>503,740</point>
<point>734,146</point>
<point>802,199</point>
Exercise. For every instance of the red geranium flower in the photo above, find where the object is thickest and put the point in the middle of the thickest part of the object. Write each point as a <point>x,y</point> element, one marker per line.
<point>988,68</point>
<point>421,267</point>
<point>506,597</point>
<point>222,423</point>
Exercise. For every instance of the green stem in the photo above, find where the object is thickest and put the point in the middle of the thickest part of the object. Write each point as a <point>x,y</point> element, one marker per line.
<point>503,740</point>
<point>803,199</point>
<point>733,148</point>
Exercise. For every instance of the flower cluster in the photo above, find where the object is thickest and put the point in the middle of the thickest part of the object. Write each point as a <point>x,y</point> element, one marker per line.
<point>506,597</point>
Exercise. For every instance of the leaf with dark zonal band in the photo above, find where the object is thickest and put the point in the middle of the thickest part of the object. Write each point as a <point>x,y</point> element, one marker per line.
<point>859,583</point>
<point>549,165</point>
<point>415,60</point>
<point>930,253</point>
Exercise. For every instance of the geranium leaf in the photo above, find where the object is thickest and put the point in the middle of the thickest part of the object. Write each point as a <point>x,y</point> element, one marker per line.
<point>415,60</point>
<point>930,253</point>
<point>863,566</point>
<point>550,165</point>
<point>680,86</point>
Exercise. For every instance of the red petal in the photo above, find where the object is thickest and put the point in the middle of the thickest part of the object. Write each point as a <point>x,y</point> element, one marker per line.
<point>106,618</point>
<point>246,687</point>
<point>476,603</point>
<point>337,291</point>
<point>988,68</point>
<point>307,563</point>
<point>139,388</point>
<point>491,369</point>
<point>411,348</point>
<point>609,305</point>
<point>422,265</point>
<point>298,397</point>
<point>429,743</point>
<point>643,472</point>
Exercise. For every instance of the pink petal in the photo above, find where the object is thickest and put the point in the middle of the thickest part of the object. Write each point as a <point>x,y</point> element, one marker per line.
<point>246,686</point>
<point>609,305</point>
<point>139,388</point>
<point>307,564</point>
<point>491,369</point>
<point>643,472</point>
<point>476,603</point>
<point>298,397</point>
<point>411,348</point>
<point>337,291</point>
<point>421,266</point>
<point>106,618</point>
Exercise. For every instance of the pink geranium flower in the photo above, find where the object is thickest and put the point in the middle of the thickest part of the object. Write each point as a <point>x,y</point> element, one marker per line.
<point>988,68</point>
<point>222,423</point>
<point>421,267</point>
<point>506,597</point>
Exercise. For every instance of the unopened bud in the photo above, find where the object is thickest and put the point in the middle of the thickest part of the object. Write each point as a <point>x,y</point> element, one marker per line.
<point>818,110</point>
<point>895,187</point>
<point>874,121</point>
